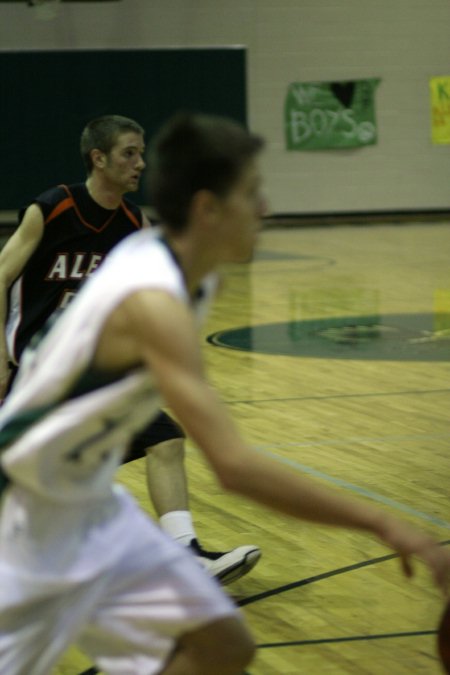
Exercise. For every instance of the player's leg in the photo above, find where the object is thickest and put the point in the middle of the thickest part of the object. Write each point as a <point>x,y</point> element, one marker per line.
<point>168,488</point>
<point>39,619</point>
<point>161,613</point>
<point>223,648</point>
<point>167,481</point>
<point>42,601</point>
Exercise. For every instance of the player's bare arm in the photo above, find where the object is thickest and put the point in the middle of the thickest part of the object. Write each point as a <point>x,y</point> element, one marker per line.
<point>13,258</point>
<point>164,337</point>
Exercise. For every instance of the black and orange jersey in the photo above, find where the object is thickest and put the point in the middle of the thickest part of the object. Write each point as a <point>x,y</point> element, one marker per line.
<point>78,233</point>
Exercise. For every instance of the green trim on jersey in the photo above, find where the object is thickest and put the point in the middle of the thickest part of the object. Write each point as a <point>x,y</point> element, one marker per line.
<point>15,428</point>
<point>89,381</point>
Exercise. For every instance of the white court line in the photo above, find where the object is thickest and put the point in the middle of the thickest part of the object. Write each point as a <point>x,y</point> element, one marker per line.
<point>374,496</point>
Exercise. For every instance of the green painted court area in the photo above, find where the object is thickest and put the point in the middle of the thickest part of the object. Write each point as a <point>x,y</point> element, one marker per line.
<point>391,337</point>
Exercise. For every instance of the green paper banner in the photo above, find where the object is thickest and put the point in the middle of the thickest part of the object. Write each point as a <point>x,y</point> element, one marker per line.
<point>322,115</point>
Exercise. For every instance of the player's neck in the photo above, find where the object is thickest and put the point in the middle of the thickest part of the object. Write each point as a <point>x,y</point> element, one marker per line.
<point>195,260</point>
<point>103,194</point>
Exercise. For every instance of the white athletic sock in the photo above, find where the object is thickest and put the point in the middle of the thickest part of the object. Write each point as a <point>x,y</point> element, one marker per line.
<point>179,526</point>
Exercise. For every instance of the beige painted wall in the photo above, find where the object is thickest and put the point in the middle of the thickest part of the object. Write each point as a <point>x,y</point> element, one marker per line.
<point>404,42</point>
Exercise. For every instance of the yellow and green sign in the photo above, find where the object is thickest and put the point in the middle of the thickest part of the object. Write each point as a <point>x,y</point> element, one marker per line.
<point>440,110</point>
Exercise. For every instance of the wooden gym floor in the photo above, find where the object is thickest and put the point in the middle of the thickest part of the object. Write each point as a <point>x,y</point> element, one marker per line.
<point>332,352</point>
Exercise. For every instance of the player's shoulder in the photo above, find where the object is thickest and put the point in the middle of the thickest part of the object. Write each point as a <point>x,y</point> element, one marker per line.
<point>48,200</point>
<point>146,258</point>
<point>56,194</point>
<point>45,201</point>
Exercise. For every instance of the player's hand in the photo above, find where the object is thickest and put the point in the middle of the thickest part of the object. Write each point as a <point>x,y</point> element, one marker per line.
<point>408,542</point>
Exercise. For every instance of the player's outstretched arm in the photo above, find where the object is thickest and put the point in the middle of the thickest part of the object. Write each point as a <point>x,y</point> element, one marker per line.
<point>164,335</point>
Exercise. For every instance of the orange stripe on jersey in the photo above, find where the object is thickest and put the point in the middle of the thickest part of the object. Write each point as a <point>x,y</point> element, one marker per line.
<point>67,203</point>
<point>131,215</point>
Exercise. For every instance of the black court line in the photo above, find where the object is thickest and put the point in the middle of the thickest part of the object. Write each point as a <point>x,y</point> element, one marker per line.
<point>352,638</point>
<point>323,641</point>
<point>305,582</point>
<point>311,580</point>
<point>379,394</point>
<point>319,577</point>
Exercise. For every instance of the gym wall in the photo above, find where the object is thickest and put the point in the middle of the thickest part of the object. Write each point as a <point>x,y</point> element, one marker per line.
<point>402,42</point>
<point>52,94</point>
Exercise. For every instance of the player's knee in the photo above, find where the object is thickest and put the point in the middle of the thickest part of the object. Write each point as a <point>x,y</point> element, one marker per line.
<point>225,647</point>
<point>239,652</point>
<point>234,649</point>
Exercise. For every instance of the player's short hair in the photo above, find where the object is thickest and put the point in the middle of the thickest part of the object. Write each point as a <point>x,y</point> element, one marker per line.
<point>102,133</point>
<point>193,152</point>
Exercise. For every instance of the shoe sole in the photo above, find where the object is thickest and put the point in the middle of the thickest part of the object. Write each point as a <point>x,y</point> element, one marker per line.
<point>240,569</point>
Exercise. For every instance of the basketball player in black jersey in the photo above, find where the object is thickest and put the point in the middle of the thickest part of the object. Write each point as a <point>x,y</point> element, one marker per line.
<point>61,239</point>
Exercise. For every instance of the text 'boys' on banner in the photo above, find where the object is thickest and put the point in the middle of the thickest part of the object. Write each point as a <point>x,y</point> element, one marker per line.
<point>322,115</point>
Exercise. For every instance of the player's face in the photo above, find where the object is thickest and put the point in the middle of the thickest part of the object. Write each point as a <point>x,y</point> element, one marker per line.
<point>241,213</point>
<point>125,163</point>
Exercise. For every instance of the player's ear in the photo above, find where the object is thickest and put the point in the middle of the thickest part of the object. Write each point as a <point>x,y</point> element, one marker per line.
<point>204,205</point>
<point>98,158</point>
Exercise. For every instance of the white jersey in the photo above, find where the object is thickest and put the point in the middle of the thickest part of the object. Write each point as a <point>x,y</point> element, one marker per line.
<point>64,429</point>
